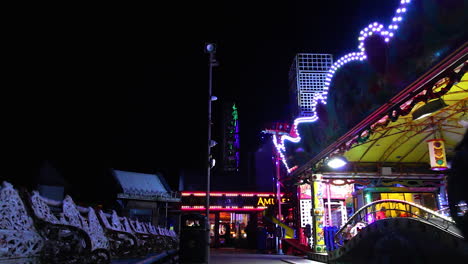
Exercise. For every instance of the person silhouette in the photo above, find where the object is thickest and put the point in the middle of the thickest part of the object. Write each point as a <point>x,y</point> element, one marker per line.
<point>381,213</point>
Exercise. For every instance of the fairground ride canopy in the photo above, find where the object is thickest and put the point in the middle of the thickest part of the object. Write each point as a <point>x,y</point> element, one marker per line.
<point>367,112</point>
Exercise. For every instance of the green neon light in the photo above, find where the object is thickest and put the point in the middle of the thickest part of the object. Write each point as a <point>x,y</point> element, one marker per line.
<point>235,115</point>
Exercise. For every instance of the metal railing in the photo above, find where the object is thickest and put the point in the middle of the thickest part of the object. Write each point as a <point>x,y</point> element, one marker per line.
<point>392,209</point>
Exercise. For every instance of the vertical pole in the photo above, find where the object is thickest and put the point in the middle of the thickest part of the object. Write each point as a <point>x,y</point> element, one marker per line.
<point>330,223</point>
<point>279,248</point>
<point>312,213</point>
<point>166,217</point>
<point>208,177</point>
<point>317,212</point>
<point>278,186</point>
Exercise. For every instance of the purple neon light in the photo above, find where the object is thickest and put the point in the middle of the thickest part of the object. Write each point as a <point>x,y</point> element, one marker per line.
<point>372,29</point>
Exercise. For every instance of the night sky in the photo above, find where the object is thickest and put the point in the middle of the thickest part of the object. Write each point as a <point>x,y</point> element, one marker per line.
<point>128,89</point>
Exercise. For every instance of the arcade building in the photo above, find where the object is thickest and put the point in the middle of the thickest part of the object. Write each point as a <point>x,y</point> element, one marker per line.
<point>235,217</point>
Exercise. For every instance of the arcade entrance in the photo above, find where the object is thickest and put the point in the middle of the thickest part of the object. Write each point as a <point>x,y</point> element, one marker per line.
<point>236,218</point>
<point>229,229</point>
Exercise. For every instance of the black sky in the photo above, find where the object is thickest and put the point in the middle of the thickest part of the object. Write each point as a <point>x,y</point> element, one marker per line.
<point>127,89</point>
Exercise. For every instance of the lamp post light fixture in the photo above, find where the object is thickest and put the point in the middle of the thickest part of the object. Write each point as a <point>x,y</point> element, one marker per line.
<point>210,48</point>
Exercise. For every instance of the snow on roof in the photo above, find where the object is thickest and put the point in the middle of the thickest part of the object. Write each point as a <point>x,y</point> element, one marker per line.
<point>140,183</point>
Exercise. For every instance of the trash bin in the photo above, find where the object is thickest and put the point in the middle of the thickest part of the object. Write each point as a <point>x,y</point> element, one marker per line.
<point>193,239</point>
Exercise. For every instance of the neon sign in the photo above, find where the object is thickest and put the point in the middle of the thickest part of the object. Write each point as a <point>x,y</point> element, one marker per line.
<point>269,201</point>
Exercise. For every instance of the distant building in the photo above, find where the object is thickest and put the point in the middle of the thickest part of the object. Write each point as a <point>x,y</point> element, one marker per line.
<point>148,197</point>
<point>231,140</point>
<point>306,79</point>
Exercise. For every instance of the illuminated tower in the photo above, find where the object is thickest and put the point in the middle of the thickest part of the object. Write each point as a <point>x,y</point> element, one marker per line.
<point>306,79</point>
<point>231,145</point>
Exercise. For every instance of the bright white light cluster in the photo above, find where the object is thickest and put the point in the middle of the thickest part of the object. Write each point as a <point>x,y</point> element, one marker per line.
<point>372,29</point>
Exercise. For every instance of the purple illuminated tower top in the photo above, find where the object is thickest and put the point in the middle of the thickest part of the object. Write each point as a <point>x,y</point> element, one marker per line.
<point>231,146</point>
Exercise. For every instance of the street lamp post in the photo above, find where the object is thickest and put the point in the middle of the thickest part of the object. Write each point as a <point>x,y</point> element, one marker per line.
<point>210,48</point>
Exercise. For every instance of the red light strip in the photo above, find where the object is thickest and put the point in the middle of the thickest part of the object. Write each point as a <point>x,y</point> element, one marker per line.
<point>220,208</point>
<point>244,194</point>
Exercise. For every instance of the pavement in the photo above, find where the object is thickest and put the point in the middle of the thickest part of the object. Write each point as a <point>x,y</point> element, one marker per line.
<point>150,258</point>
<point>301,261</point>
<point>239,256</point>
<point>232,256</point>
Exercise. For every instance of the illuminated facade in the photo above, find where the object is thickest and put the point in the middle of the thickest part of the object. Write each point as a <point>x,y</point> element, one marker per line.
<point>228,201</point>
<point>233,215</point>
